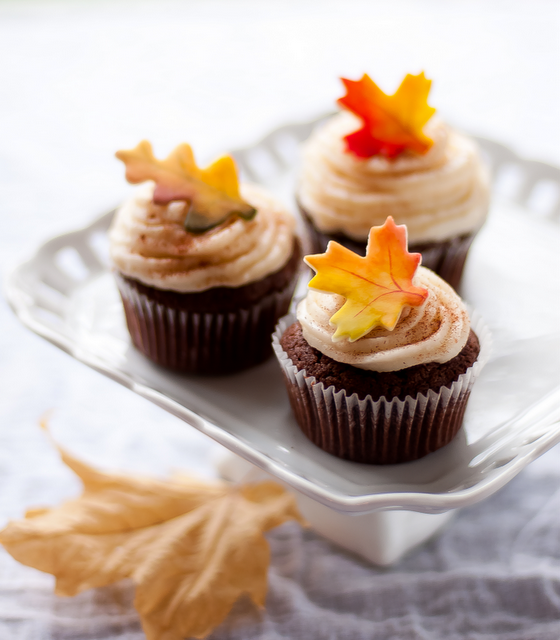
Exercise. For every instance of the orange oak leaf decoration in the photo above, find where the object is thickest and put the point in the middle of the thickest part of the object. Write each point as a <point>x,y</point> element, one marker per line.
<point>191,547</point>
<point>391,124</point>
<point>213,193</point>
<point>377,287</point>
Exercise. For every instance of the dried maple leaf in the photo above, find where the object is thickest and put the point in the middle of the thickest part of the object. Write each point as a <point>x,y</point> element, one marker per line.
<point>191,547</point>
<point>391,123</point>
<point>376,287</point>
<point>213,193</point>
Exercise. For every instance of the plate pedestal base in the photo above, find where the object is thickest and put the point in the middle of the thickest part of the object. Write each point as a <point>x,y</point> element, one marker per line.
<point>381,537</point>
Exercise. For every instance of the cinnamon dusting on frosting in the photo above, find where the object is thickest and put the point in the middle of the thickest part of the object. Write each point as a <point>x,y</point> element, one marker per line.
<point>435,332</point>
<point>148,242</point>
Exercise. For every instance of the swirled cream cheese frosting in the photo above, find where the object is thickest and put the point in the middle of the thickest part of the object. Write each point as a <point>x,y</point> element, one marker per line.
<point>439,195</point>
<point>148,242</point>
<point>436,331</point>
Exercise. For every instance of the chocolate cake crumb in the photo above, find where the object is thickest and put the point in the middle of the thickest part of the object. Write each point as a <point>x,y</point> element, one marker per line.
<point>411,381</point>
<point>218,331</point>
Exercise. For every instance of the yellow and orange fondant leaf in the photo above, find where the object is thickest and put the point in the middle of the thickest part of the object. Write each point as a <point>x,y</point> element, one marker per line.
<point>391,123</point>
<point>377,287</point>
<point>213,193</point>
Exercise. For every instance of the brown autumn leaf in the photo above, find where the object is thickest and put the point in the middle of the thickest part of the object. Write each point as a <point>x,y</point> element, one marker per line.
<point>192,547</point>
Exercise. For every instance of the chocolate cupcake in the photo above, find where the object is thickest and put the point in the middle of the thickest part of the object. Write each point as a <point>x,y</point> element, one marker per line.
<point>204,298</point>
<point>390,389</point>
<point>356,172</point>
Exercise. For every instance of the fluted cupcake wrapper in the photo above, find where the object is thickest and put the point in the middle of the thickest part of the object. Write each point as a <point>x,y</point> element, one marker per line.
<point>203,342</point>
<point>385,431</point>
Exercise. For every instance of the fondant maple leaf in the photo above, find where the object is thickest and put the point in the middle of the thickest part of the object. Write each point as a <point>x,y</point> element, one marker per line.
<point>391,123</point>
<point>213,193</point>
<point>376,287</point>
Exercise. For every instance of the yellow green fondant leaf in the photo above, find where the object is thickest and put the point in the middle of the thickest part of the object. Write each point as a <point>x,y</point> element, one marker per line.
<point>213,193</point>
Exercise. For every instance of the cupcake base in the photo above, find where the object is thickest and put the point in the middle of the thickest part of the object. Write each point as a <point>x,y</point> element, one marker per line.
<point>447,258</point>
<point>402,417</point>
<point>217,331</point>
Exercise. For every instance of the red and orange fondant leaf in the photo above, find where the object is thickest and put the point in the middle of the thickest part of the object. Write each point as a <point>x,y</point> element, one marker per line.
<point>391,124</point>
<point>213,193</point>
<point>377,287</point>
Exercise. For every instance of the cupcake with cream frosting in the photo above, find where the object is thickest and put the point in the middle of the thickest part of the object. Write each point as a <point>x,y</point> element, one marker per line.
<point>205,267</point>
<point>381,357</point>
<point>387,155</point>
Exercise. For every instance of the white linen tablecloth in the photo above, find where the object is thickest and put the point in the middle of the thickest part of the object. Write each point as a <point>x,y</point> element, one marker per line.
<point>79,80</point>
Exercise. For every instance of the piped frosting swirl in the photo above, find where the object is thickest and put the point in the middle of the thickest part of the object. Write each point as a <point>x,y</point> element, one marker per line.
<point>439,195</point>
<point>148,242</point>
<point>434,332</point>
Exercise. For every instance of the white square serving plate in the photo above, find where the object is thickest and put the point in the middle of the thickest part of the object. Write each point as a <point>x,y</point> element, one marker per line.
<point>66,294</point>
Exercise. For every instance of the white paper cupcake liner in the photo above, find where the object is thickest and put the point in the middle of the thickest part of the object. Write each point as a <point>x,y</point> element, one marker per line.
<point>205,342</point>
<point>384,431</point>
